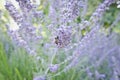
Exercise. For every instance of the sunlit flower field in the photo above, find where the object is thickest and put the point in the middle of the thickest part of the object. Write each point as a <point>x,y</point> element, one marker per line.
<point>59,40</point>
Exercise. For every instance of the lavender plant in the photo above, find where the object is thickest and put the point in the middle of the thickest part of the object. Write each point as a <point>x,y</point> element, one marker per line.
<point>63,39</point>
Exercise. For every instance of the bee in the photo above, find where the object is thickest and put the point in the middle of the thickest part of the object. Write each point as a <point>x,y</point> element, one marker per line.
<point>57,40</point>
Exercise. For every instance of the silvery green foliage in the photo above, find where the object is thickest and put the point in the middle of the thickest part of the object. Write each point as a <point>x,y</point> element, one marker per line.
<point>66,36</point>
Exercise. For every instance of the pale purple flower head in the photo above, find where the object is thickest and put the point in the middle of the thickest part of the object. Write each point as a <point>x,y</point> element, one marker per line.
<point>54,68</point>
<point>39,78</point>
<point>14,12</point>
<point>25,4</point>
<point>63,36</point>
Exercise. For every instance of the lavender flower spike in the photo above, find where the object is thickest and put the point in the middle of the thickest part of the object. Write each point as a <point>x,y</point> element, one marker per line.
<point>14,13</point>
<point>54,68</point>
<point>100,10</point>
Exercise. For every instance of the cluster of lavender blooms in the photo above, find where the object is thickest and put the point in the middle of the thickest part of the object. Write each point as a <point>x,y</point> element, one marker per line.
<point>26,32</point>
<point>67,37</point>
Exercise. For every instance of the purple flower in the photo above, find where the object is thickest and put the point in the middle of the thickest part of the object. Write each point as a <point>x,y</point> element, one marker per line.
<point>14,13</point>
<point>100,10</point>
<point>69,10</point>
<point>54,68</point>
<point>39,78</point>
<point>25,4</point>
<point>63,37</point>
<point>92,47</point>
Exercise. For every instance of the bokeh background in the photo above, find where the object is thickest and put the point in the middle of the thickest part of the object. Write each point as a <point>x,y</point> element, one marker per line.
<point>16,64</point>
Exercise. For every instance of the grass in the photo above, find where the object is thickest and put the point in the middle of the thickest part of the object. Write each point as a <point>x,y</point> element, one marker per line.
<point>18,66</point>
